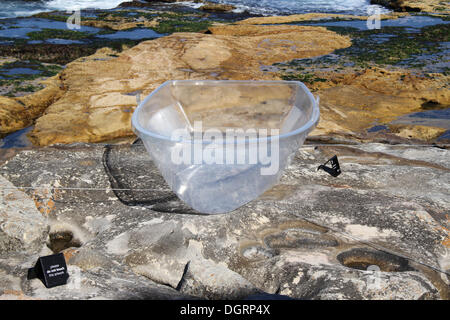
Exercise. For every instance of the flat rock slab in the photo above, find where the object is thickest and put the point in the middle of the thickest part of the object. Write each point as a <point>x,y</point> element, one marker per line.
<point>21,224</point>
<point>378,231</point>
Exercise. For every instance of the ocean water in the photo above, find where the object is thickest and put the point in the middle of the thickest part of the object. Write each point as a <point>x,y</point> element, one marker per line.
<point>273,7</point>
<point>15,8</point>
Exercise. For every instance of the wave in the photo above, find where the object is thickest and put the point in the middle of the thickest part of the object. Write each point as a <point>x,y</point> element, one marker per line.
<point>263,7</point>
<point>12,9</point>
<point>283,7</point>
<point>83,4</point>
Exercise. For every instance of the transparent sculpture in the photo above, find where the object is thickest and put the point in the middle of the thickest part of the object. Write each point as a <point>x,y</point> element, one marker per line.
<point>220,144</point>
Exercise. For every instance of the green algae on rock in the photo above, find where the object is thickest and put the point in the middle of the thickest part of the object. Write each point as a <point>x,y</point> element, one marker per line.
<point>19,78</point>
<point>58,33</point>
<point>400,46</point>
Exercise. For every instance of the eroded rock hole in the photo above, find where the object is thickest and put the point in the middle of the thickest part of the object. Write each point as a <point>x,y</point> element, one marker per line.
<point>58,241</point>
<point>433,105</point>
<point>299,238</point>
<point>362,259</point>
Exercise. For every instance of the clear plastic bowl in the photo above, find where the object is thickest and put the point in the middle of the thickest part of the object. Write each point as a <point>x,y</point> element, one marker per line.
<point>208,138</point>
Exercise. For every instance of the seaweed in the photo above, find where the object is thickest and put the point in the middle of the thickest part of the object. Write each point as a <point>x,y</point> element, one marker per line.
<point>171,26</point>
<point>401,46</point>
<point>46,33</point>
<point>303,77</point>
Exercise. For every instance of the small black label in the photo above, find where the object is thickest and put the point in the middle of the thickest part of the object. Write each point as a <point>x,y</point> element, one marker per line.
<point>335,170</point>
<point>51,270</point>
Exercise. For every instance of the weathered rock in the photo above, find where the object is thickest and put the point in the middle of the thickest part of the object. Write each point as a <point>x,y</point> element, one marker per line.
<point>312,16</point>
<point>166,252</point>
<point>97,92</point>
<point>119,23</point>
<point>95,106</point>
<point>18,113</point>
<point>50,53</point>
<point>312,236</point>
<point>416,131</point>
<point>11,116</point>
<point>217,7</point>
<point>414,5</point>
<point>22,227</point>
<point>352,101</point>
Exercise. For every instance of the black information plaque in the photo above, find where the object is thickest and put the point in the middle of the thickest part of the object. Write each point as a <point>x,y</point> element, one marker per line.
<point>51,270</point>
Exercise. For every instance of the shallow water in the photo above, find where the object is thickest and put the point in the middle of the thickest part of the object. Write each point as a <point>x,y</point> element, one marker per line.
<point>270,7</point>
<point>434,118</point>
<point>17,71</point>
<point>135,34</point>
<point>430,118</point>
<point>17,8</point>
<point>18,28</point>
<point>377,128</point>
<point>413,23</point>
<point>62,41</point>
<point>17,139</point>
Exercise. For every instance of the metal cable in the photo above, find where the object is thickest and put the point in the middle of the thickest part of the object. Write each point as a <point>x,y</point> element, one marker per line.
<point>77,188</point>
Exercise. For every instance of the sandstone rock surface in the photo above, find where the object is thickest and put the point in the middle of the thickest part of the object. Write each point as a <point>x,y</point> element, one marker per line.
<point>217,7</point>
<point>118,23</point>
<point>22,226</point>
<point>18,113</point>
<point>312,16</point>
<point>95,105</point>
<point>352,101</point>
<point>414,5</point>
<point>312,236</point>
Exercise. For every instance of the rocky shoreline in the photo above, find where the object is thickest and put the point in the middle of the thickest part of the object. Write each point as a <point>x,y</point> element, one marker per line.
<point>414,5</point>
<point>346,85</point>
